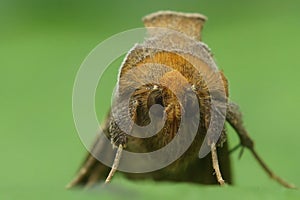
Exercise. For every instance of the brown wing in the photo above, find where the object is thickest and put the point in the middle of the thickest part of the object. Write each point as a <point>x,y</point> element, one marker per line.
<point>92,170</point>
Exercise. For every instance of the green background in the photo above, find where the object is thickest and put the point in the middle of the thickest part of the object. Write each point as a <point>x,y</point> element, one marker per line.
<point>43,43</point>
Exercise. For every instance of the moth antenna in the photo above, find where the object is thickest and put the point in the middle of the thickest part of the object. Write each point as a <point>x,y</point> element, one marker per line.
<point>115,164</point>
<point>215,163</point>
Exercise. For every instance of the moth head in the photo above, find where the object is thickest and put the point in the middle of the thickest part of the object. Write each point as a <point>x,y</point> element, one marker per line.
<point>173,93</point>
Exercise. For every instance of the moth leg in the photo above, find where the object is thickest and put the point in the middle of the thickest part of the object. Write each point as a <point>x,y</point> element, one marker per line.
<point>115,164</point>
<point>234,118</point>
<point>215,163</point>
<point>119,140</point>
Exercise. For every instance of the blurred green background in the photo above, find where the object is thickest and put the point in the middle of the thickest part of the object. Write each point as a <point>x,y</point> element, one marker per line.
<point>43,43</point>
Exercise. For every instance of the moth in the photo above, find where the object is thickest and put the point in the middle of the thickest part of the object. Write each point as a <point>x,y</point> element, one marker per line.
<point>196,87</point>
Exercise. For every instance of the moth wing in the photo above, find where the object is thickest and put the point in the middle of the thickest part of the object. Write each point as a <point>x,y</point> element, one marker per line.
<point>92,170</point>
